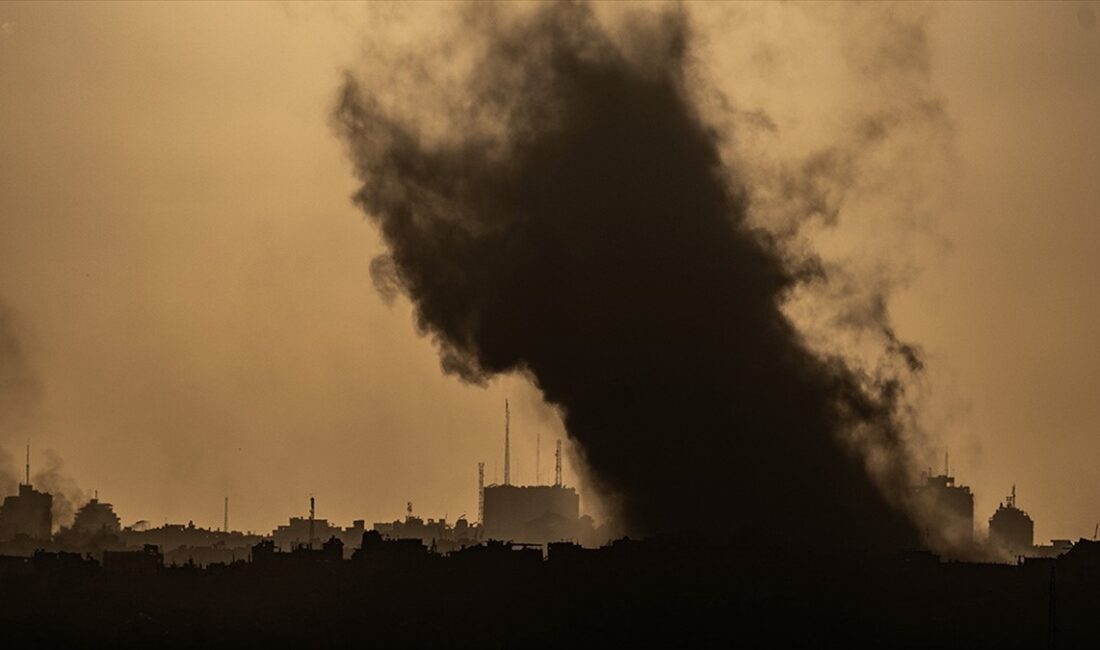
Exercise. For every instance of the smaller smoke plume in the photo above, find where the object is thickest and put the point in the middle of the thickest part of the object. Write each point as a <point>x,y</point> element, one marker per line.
<point>67,495</point>
<point>20,392</point>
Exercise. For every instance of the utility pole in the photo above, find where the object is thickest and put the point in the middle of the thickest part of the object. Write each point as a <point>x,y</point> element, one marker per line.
<point>28,463</point>
<point>225,517</point>
<point>311,516</point>
<point>481,493</point>
<point>507,443</point>
<point>557,464</point>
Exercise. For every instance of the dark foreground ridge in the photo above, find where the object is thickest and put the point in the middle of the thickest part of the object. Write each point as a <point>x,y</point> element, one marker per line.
<point>664,590</point>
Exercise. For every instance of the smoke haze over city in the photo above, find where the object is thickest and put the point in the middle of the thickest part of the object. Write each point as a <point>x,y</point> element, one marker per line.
<point>549,324</point>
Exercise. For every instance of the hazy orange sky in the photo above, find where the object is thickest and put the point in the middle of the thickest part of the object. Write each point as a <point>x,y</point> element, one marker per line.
<point>191,281</point>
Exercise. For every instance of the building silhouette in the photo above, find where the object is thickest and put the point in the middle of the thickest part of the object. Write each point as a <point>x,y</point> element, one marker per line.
<point>533,513</point>
<point>96,517</point>
<point>1011,529</point>
<point>433,533</point>
<point>302,531</point>
<point>27,514</point>
<point>953,505</point>
<point>188,543</point>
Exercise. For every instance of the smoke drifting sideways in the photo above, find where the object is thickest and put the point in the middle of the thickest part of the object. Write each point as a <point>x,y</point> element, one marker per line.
<point>560,208</point>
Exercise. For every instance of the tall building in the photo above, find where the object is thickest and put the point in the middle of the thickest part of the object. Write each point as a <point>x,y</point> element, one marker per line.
<point>952,505</point>
<point>1010,528</point>
<point>535,513</point>
<point>96,517</point>
<point>27,513</point>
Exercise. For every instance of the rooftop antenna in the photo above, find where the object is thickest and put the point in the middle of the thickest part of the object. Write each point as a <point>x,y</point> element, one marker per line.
<point>225,517</point>
<point>557,464</point>
<point>28,464</point>
<point>1012,497</point>
<point>311,513</point>
<point>408,509</point>
<point>481,492</point>
<point>946,467</point>
<point>507,442</point>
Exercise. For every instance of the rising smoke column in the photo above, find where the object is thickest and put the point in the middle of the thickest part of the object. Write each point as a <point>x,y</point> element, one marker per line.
<point>20,394</point>
<point>50,476</point>
<point>567,214</point>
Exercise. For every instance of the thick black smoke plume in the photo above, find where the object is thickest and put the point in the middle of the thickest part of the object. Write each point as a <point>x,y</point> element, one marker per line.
<point>568,215</point>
